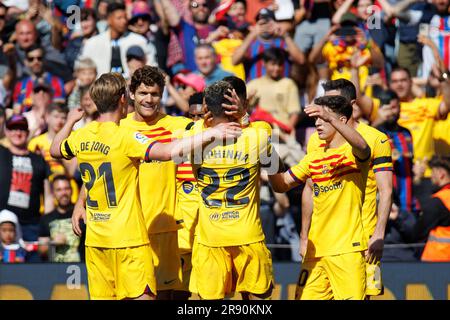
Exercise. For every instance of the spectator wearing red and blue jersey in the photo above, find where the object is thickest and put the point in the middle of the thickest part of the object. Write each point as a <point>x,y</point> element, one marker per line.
<point>24,87</point>
<point>266,34</point>
<point>402,149</point>
<point>190,35</point>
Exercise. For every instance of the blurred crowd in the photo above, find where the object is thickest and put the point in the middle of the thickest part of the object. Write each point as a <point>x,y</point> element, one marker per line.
<point>396,53</point>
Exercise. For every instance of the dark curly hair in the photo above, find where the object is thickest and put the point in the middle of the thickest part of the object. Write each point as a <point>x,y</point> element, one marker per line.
<point>149,76</point>
<point>337,104</point>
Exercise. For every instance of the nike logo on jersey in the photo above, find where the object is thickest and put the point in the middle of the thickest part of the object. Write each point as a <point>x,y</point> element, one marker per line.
<point>383,141</point>
<point>170,281</point>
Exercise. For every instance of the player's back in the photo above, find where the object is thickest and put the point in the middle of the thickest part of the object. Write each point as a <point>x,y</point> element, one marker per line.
<point>228,180</point>
<point>108,160</point>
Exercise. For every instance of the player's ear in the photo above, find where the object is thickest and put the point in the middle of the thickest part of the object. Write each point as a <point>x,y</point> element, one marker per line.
<point>343,119</point>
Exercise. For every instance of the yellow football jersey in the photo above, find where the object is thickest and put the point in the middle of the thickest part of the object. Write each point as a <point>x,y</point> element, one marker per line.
<point>380,160</point>
<point>41,144</point>
<point>418,116</point>
<point>157,179</point>
<point>339,181</point>
<point>108,157</point>
<point>228,181</point>
<point>441,136</point>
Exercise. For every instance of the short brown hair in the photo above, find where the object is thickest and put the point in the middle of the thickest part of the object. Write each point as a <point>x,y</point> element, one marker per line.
<point>107,90</point>
<point>440,162</point>
<point>62,108</point>
<point>149,76</point>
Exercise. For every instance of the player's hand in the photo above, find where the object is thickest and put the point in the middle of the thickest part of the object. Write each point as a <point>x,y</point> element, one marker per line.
<point>79,213</point>
<point>320,112</point>
<point>236,107</point>
<point>229,130</point>
<point>75,115</point>
<point>303,246</point>
<point>375,249</point>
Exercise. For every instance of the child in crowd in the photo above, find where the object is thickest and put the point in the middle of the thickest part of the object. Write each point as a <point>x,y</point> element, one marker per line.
<point>85,72</point>
<point>11,245</point>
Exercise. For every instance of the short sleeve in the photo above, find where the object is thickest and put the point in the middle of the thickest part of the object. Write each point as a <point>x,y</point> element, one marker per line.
<point>300,172</point>
<point>68,147</point>
<point>137,145</point>
<point>382,154</point>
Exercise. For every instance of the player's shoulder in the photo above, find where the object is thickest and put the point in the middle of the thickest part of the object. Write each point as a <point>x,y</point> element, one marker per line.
<point>369,132</point>
<point>174,122</point>
<point>128,121</point>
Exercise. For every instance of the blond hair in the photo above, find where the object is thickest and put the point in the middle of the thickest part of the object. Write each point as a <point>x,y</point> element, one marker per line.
<point>107,90</point>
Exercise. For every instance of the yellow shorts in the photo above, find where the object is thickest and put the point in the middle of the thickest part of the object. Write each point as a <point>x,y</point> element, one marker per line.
<point>119,273</point>
<point>374,282</point>
<point>340,277</point>
<point>166,259</point>
<point>217,272</point>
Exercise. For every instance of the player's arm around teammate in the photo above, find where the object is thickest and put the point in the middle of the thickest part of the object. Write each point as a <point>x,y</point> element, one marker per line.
<point>162,152</point>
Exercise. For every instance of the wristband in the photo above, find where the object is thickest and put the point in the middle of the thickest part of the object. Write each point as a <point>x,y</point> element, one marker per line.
<point>245,120</point>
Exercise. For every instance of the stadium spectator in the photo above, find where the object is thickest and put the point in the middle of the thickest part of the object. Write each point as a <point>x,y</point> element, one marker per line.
<point>402,149</point>
<point>184,86</point>
<point>11,244</point>
<point>419,115</point>
<point>85,72</point>
<point>57,242</point>
<point>346,46</point>
<point>143,22</point>
<point>263,36</point>
<point>274,92</point>
<point>89,108</point>
<point>88,19</point>
<point>42,99</point>
<point>22,96</point>
<point>136,59</point>
<point>190,35</point>
<point>207,66</point>
<point>433,223</point>
<point>398,249</point>
<point>55,118</point>
<point>27,36</point>
<point>114,43</point>
<point>25,176</point>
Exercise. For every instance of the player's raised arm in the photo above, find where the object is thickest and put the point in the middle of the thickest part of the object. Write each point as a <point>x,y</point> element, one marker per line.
<point>321,109</point>
<point>72,118</point>
<point>183,147</point>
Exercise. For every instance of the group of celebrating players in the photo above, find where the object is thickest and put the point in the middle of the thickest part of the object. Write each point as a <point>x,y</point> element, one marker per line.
<point>172,205</point>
